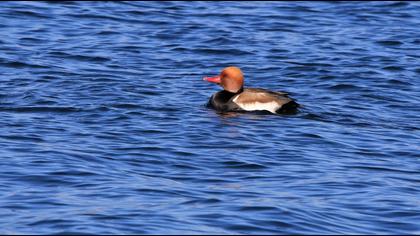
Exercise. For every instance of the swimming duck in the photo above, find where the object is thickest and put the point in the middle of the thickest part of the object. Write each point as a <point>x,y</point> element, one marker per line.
<point>234,97</point>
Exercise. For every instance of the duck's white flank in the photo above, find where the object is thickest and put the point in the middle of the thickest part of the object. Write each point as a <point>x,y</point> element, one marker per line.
<point>258,106</point>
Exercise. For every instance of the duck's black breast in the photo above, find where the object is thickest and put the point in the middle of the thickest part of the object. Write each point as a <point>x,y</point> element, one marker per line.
<point>222,101</point>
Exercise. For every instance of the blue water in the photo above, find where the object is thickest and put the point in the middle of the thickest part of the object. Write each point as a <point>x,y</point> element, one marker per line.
<point>104,129</point>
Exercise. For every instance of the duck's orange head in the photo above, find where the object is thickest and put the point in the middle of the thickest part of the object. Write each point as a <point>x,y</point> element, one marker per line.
<point>231,79</point>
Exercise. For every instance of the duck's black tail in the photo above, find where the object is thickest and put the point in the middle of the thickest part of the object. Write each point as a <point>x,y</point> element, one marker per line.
<point>290,107</point>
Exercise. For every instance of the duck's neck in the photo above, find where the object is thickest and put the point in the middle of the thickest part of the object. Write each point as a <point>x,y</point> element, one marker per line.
<point>238,92</point>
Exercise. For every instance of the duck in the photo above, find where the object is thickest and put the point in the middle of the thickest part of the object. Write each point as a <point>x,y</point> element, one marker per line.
<point>235,98</point>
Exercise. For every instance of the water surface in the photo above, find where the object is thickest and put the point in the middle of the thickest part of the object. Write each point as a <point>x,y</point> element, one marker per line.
<point>104,129</point>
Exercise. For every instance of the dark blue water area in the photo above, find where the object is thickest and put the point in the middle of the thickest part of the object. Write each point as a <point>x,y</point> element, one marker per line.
<point>104,128</point>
